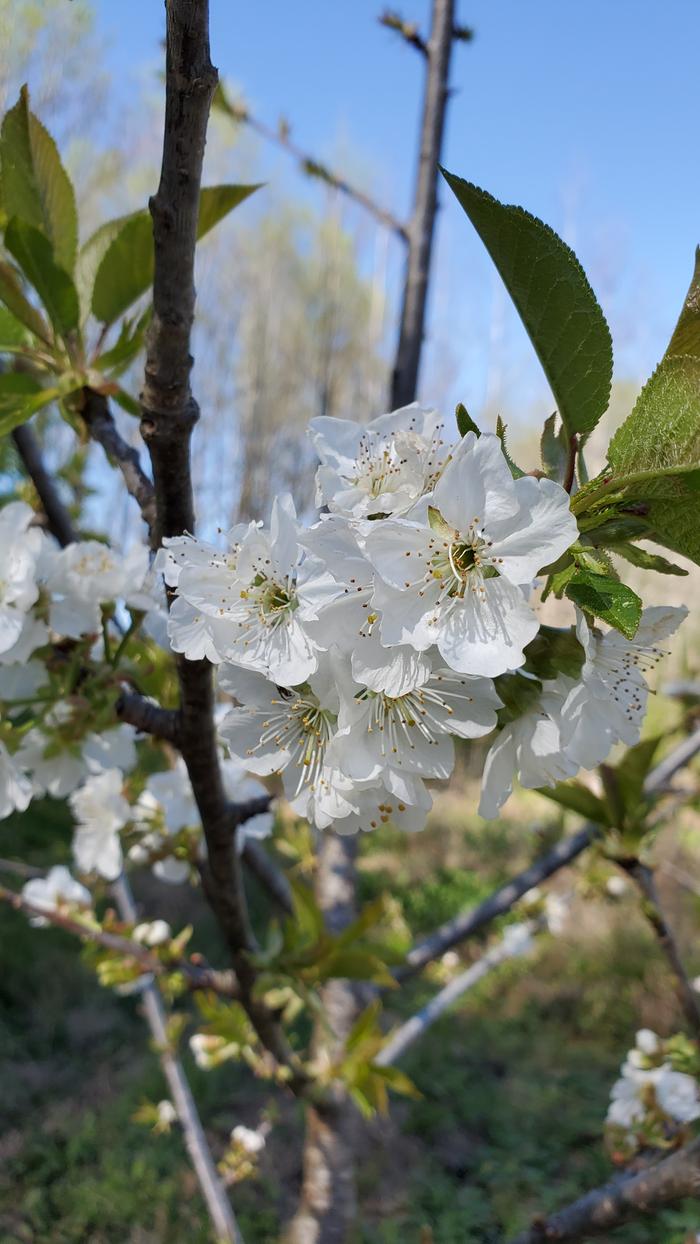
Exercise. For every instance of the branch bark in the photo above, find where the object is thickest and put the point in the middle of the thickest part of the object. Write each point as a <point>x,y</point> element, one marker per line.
<point>169,413</point>
<point>605,1208</point>
<point>100,423</point>
<point>328,1203</point>
<point>643,878</point>
<point>148,717</point>
<point>57,516</point>
<point>422,226</point>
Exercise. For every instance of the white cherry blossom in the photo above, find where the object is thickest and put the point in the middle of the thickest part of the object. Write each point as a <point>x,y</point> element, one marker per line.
<point>83,576</point>
<point>529,747</point>
<point>462,582</point>
<point>57,889</point>
<point>608,703</point>
<point>59,759</point>
<point>381,467</point>
<point>20,550</point>
<point>100,810</point>
<point>15,786</point>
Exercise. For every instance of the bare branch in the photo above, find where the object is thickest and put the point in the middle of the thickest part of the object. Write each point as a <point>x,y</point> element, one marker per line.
<point>605,1208</point>
<point>102,428</point>
<point>418,1024</point>
<point>643,878</point>
<point>169,413</point>
<point>501,901</point>
<point>57,516</point>
<point>309,164</point>
<point>148,717</point>
<point>214,1193</point>
<point>272,879</point>
<point>422,226</point>
<point>407,30</point>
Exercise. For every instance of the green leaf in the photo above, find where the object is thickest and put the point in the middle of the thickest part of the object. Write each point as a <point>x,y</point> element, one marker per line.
<point>577,798</point>
<point>125,271</point>
<point>554,450</point>
<point>648,561</point>
<point>632,771</point>
<point>33,253</point>
<point>553,652</point>
<point>18,406</point>
<point>398,1081</point>
<point>130,341</point>
<point>518,694</point>
<point>12,295</point>
<point>606,598</point>
<point>686,335</point>
<point>501,429</point>
<point>554,300</point>
<point>354,963</point>
<point>13,334</point>
<point>465,423</point>
<point>90,257</point>
<point>35,185</point>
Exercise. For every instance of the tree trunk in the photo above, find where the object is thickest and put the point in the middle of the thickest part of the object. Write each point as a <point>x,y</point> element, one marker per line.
<point>328,1205</point>
<point>422,226</point>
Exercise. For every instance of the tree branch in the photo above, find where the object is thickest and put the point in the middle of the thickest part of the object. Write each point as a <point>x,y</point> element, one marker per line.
<point>501,901</point>
<point>148,717</point>
<point>218,1204</point>
<point>415,1027</point>
<point>57,516</point>
<point>272,879</point>
<point>422,226</point>
<point>407,30</point>
<point>605,1208</point>
<point>643,878</point>
<point>100,423</point>
<point>308,164</point>
<point>169,413</point>
<point>196,977</point>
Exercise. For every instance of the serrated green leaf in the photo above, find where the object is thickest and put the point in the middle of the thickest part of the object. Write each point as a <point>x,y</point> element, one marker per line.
<point>365,1025</point>
<point>554,450</point>
<point>554,300</point>
<point>686,335</point>
<point>632,771</point>
<point>17,408</point>
<point>501,429</point>
<point>648,561</point>
<point>12,295</point>
<point>398,1081</point>
<point>90,257</point>
<point>130,341</point>
<point>553,652</point>
<point>33,253</point>
<point>125,271</point>
<point>577,798</point>
<point>465,423</point>
<point>606,598</point>
<point>35,185</point>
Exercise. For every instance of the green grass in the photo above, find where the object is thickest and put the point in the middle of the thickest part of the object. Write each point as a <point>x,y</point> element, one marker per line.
<point>514,1083</point>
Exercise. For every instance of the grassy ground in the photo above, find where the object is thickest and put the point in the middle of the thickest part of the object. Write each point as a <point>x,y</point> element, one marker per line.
<point>514,1083</point>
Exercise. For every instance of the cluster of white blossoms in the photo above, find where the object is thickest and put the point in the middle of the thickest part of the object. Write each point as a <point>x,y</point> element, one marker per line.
<point>651,1095</point>
<point>357,648</point>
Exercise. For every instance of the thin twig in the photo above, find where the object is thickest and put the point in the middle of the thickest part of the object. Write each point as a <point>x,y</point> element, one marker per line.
<point>195,977</point>
<point>57,516</point>
<point>100,423</point>
<point>272,879</point>
<point>308,164</point>
<point>501,901</point>
<point>603,1209</point>
<point>408,31</point>
<point>415,1027</point>
<point>213,1190</point>
<point>643,877</point>
<point>148,717</point>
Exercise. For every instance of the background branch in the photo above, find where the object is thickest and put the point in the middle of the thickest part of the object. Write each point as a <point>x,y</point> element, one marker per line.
<point>100,424</point>
<point>57,516</point>
<point>623,1198</point>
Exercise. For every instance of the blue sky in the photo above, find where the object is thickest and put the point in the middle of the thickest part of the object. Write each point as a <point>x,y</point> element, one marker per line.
<point>582,112</point>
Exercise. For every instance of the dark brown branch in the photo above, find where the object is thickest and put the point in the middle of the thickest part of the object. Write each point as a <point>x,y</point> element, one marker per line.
<point>169,413</point>
<point>407,30</point>
<point>643,878</point>
<point>195,976</point>
<point>308,164</point>
<point>57,516</point>
<point>100,423</point>
<point>272,879</point>
<point>422,226</point>
<point>501,901</point>
<point>148,717</point>
<point>605,1208</point>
